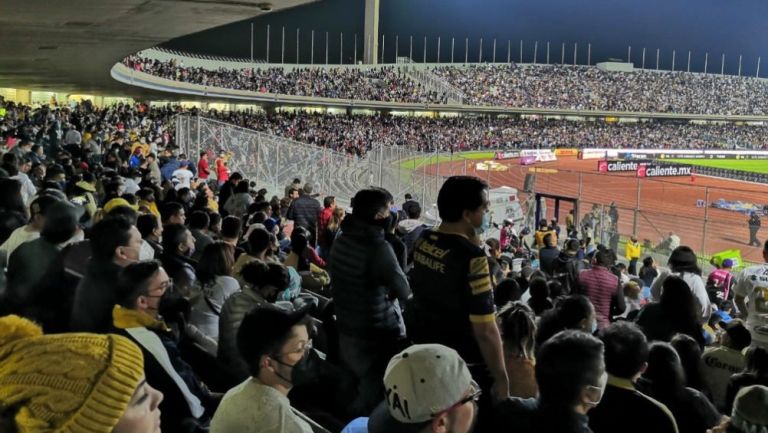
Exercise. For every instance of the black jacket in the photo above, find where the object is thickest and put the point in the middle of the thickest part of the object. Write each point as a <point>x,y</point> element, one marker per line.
<point>366,279</point>
<point>618,410</point>
<point>565,269</point>
<point>529,416</point>
<point>95,298</point>
<point>303,211</point>
<point>547,258</point>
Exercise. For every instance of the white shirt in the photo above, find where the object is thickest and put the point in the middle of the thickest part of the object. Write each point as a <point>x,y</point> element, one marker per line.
<point>183,177</point>
<point>752,283</point>
<point>253,407</point>
<point>696,284</point>
<point>18,237</point>
<point>28,189</point>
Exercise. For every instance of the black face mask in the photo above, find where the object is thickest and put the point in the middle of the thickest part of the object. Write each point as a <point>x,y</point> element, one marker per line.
<point>304,372</point>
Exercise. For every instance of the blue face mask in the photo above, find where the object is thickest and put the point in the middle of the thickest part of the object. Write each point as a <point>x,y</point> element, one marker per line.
<point>485,225</point>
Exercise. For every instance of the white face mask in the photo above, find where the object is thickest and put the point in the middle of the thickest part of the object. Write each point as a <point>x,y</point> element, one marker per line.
<point>601,384</point>
<point>146,254</point>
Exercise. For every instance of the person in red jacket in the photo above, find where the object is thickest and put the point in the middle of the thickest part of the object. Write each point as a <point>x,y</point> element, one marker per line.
<point>203,168</point>
<point>222,171</point>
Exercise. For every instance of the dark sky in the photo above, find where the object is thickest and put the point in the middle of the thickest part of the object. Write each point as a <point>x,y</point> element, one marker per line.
<point>715,26</point>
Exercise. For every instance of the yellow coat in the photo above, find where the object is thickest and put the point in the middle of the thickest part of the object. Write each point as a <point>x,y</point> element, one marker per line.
<point>633,250</point>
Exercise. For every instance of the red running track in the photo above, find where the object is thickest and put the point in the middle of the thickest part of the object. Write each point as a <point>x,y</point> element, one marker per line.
<point>657,206</point>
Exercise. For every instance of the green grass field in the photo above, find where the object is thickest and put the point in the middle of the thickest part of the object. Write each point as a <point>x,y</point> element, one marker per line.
<point>751,165</point>
<point>428,160</point>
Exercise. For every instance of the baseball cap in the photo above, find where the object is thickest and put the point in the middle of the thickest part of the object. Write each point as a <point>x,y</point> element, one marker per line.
<point>420,382</point>
<point>737,332</point>
<point>727,263</point>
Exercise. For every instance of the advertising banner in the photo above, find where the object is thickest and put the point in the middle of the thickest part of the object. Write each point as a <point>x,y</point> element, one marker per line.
<point>506,155</point>
<point>618,165</point>
<point>527,160</point>
<point>566,152</point>
<point>663,170</point>
<point>541,155</point>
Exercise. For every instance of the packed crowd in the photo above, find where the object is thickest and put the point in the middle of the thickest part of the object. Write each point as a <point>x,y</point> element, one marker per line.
<point>530,86</point>
<point>147,291</point>
<point>590,88</point>
<point>377,84</point>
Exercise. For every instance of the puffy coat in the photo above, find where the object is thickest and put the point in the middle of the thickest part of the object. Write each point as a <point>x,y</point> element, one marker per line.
<point>366,281</point>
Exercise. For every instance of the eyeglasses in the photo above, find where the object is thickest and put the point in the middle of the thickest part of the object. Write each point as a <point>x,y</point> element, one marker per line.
<point>164,287</point>
<point>303,349</point>
<point>474,396</point>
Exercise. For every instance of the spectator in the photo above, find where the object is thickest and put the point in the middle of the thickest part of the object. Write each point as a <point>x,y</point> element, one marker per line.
<point>231,229</point>
<point>754,227</point>
<point>203,168</point>
<point>178,247</point>
<point>332,230</point>
<point>626,358</point>
<point>368,288</point>
<point>648,272</point>
<point>690,354</point>
<point>173,213</point>
<point>228,187</point>
<point>507,290</point>
<point>214,285</point>
<point>518,326</point>
<point>13,213</point>
<point>603,288</point>
<point>151,233</point>
<point>199,222</point>
<point>38,287</point>
<point>683,263</point>
<point>262,283</point>
<point>664,381</point>
<point>544,229</point>
<point>237,204</point>
<point>748,412</point>
<point>571,376</point>
<point>115,243</point>
<point>410,228</point>
<point>443,399</point>
<point>539,300</point>
<point>329,204</point>
<point>275,344</point>
<point>302,255</point>
<point>294,185</point>
<point>750,285</point>
<point>222,171</point>
<point>548,254</point>
<point>452,301</point>
<point>304,211</point>
<point>102,387</point>
<point>755,373</point>
<point>139,291</point>
<point>676,311</point>
<point>31,231</point>
<point>632,253</point>
<point>720,281</point>
<point>573,312</point>
<point>720,363</point>
<point>259,247</point>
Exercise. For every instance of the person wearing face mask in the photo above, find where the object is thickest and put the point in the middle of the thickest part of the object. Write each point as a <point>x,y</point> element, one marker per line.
<point>571,376</point>
<point>178,247</point>
<point>275,344</point>
<point>626,358</point>
<point>115,243</point>
<point>103,388</point>
<point>452,301</point>
<point>141,288</point>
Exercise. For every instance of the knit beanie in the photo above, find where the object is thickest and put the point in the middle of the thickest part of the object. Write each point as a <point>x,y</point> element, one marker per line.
<point>750,409</point>
<point>65,383</point>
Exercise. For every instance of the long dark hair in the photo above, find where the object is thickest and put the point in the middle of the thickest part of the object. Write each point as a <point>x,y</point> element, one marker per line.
<point>518,327</point>
<point>678,300</point>
<point>689,351</point>
<point>217,260</point>
<point>10,196</point>
<point>664,379</point>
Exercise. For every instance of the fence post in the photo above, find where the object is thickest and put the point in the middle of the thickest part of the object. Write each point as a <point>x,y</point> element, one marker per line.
<point>706,221</point>
<point>637,209</point>
<point>198,133</point>
<point>277,166</point>
<point>381,164</point>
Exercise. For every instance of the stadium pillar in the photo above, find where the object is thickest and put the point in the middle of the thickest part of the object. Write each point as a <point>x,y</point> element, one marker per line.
<point>509,51</point>
<point>706,62</point>
<point>689,61</point>
<point>562,54</point>
<point>535,52</point>
<point>480,54</point>
<point>267,43</point>
<point>629,54</point>
<point>722,65</point>
<point>341,48</point>
<point>673,60</point>
<point>282,47</point>
<point>658,52</point>
<point>547,52</point>
<point>312,49</point>
<point>494,50</point>
<point>757,73</point>
<point>575,52</point>
<point>739,65</point>
<point>410,49</point>
<point>453,45</point>
<point>643,64</point>
<point>372,30</point>
<point>521,51</point>
<point>466,50</point>
<point>706,221</point>
<point>251,42</point>
<point>383,41</point>
<point>589,55</point>
<point>397,46</point>
<point>297,46</point>
<point>438,49</point>
<point>424,56</point>
<point>326,48</point>
<point>636,217</point>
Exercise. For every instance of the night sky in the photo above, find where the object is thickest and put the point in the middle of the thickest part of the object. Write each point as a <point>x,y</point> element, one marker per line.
<point>715,26</point>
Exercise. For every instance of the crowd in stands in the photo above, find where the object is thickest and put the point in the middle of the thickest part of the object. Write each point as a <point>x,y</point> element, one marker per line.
<point>376,84</point>
<point>512,85</point>
<point>591,88</point>
<point>144,290</point>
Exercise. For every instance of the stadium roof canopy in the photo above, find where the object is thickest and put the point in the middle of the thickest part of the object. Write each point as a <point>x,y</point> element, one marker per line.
<point>70,45</point>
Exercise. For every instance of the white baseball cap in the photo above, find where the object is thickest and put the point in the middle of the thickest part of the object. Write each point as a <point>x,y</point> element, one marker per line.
<point>420,382</point>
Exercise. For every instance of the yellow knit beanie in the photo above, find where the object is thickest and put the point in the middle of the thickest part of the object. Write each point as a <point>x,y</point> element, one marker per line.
<point>73,383</point>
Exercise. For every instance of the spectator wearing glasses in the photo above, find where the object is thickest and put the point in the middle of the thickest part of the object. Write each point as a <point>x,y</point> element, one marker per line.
<point>428,389</point>
<point>275,344</point>
<point>140,290</point>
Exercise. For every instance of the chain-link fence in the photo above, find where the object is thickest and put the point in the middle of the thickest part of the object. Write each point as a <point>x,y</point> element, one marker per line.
<point>657,211</point>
